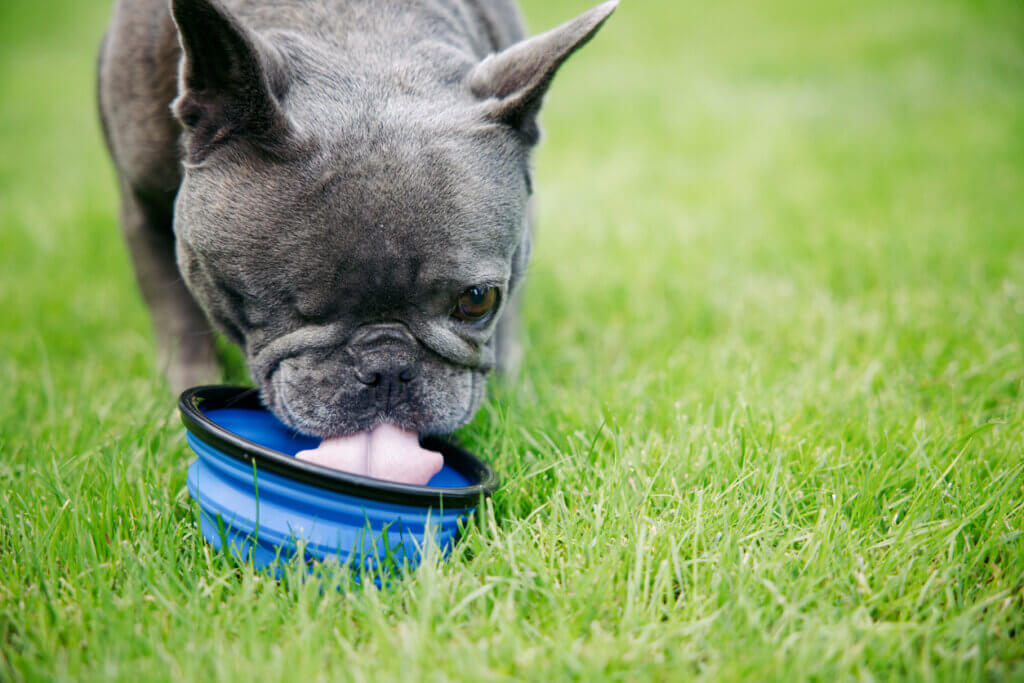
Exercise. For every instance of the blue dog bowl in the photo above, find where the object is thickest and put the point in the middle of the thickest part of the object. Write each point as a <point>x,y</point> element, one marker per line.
<point>256,499</point>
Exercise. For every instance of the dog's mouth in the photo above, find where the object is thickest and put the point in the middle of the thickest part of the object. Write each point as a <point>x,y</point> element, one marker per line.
<point>383,452</point>
<point>365,431</point>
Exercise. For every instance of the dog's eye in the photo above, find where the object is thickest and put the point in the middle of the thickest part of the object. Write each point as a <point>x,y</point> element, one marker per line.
<point>476,303</point>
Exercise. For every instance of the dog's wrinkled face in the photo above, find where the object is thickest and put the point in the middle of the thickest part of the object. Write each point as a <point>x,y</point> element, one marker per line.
<point>357,233</point>
<point>363,280</point>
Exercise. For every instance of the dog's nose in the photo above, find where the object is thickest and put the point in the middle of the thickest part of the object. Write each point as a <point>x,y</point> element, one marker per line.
<point>375,373</point>
<point>385,355</point>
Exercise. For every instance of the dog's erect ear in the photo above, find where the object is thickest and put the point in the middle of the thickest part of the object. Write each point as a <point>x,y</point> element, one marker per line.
<point>229,81</point>
<point>512,82</point>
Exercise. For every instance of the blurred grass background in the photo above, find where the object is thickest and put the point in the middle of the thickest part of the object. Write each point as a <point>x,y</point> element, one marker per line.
<point>770,420</point>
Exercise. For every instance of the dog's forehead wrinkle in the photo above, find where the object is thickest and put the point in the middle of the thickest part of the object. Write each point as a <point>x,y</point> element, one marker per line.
<point>454,278</point>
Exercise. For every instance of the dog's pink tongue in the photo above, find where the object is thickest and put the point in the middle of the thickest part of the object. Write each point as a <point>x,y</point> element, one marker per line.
<point>385,452</point>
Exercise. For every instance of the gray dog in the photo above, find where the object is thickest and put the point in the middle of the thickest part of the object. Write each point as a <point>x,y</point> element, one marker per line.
<point>344,188</point>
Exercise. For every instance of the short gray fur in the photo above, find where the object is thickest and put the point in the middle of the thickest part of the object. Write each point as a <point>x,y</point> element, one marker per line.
<point>320,180</point>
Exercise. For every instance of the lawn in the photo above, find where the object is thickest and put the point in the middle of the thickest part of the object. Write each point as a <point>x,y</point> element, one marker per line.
<point>770,423</point>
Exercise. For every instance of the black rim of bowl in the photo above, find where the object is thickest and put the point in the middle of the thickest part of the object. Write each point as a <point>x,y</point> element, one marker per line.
<point>194,401</point>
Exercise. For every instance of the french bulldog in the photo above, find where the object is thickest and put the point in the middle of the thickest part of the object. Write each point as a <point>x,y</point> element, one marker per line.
<point>341,187</point>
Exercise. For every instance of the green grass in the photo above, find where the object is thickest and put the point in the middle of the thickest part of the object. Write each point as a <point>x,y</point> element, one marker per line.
<point>770,424</point>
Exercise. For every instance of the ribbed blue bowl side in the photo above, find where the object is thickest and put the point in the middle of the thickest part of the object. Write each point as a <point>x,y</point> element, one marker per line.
<point>277,513</point>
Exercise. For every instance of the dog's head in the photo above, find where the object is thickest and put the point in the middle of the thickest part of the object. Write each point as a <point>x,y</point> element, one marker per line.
<point>357,227</point>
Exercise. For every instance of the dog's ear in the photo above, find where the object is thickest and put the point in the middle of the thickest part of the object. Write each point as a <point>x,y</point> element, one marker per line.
<point>512,82</point>
<point>229,81</point>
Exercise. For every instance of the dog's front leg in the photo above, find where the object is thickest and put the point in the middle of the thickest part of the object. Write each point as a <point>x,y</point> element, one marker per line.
<point>184,341</point>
